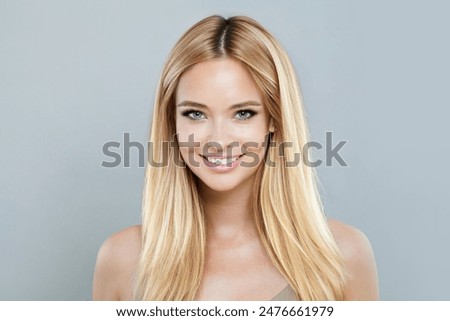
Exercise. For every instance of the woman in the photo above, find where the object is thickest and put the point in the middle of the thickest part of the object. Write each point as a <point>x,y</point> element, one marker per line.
<point>232,216</point>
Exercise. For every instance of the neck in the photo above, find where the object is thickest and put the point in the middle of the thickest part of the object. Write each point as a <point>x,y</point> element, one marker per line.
<point>228,214</point>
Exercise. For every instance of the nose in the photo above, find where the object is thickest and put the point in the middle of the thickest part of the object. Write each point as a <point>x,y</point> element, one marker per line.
<point>220,138</point>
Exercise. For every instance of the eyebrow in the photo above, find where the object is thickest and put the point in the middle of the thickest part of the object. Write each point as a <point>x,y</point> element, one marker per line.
<point>188,103</point>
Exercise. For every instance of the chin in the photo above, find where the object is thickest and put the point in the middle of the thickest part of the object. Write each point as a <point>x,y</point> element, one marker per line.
<point>226,183</point>
<point>220,186</point>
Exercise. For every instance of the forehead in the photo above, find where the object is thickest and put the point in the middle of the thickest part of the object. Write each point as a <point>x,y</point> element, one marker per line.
<point>225,79</point>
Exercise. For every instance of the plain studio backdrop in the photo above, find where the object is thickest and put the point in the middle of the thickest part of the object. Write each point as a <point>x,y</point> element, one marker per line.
<point>75,75</point>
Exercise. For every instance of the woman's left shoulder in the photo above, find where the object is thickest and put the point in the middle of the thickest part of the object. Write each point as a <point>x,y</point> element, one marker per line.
<point>359,261</point>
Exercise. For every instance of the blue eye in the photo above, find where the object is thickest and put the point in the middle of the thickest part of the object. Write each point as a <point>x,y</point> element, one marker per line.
<point>198,115</point>
<point>193,114</point>
<point>245,114</point>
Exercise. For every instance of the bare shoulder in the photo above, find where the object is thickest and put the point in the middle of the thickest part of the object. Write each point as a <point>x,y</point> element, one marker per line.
<point>359,262</point>
<point>115,265</point>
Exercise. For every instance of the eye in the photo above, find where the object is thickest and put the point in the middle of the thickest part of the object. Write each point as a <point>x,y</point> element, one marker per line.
<point>193,114</point>
<point>245,114</point>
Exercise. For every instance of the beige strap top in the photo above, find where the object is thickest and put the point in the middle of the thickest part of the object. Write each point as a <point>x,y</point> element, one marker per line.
<point>287,294</point>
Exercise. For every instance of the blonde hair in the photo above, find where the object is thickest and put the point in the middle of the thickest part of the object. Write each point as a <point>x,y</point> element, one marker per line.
<point>286,205</point>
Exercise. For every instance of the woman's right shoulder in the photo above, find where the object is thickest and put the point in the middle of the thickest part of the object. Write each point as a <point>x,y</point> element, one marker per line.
<point>116,262</point>
<point>122,244</point>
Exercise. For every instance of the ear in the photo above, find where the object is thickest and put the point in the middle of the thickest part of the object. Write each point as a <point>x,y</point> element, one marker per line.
<point>271,128</point>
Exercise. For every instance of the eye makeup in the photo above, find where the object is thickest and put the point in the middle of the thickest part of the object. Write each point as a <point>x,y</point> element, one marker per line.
<point>197,115</point>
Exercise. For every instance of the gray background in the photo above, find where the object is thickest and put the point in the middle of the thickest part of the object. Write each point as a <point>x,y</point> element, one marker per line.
<point>77,74</point>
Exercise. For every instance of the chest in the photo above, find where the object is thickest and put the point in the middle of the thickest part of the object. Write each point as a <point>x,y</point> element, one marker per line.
<point>243,273</point>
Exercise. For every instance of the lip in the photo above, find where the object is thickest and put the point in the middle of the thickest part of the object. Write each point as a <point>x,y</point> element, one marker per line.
<point>221,156</point>
<point>222,168</point>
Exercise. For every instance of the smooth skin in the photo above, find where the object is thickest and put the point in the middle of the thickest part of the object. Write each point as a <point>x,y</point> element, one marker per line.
<point>213,101</point>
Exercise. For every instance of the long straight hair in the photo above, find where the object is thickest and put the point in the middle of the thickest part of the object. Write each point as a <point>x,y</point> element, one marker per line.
<point>285,206</point>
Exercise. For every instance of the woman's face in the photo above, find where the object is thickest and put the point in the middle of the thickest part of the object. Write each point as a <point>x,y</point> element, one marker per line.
<point>221,123</point>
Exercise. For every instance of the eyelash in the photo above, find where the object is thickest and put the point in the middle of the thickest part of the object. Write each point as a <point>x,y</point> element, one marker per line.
<point>187,113</point>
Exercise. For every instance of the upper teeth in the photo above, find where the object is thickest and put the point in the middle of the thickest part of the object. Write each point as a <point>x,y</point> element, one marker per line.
<point>221,161</point>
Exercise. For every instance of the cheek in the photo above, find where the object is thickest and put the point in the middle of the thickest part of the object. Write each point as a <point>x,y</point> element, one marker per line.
<point>188,139</point>
<point>190,132</point>
<point>255,135</point>
<point>183,129</point>
<point>254,139</point>
<point>254,146</point>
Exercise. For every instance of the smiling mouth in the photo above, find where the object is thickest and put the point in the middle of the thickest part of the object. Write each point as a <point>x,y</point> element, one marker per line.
<point>222,160</point>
